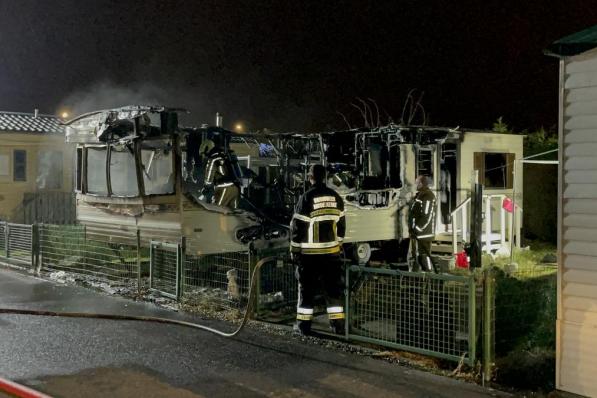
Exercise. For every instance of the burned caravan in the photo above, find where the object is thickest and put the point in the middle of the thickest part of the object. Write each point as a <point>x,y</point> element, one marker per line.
<point>375,171</point>
<point>138,170</point>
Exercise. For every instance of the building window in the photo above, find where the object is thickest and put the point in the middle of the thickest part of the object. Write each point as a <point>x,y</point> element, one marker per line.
<point>49,170</point>
<point>4,165</point>
<point>425,163</point>
<point>495,169</point>
<point>20,165</point>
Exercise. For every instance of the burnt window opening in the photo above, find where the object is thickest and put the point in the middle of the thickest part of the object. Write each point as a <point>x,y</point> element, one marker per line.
<point>123,173</point>
<point>495,169</point>
<point>49,170</point>
<point>157,167</point>
<point>19,165</point>
<point>425,163</point>
<point>374,168</point>
<point>97,181</point>
<point>395,167</point>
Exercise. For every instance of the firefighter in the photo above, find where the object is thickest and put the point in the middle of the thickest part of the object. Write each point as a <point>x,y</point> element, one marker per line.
<point>220,177</point>
<point>317,230</point>
<point>422,224</point>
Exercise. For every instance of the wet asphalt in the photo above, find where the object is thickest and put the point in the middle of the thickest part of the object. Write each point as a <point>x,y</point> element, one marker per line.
<point>68,357</point>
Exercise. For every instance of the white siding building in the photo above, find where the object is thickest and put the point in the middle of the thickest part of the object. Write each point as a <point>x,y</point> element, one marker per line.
<point>576,370</point>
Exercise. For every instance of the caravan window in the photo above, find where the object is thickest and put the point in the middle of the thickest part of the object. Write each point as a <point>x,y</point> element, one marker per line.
<point>157,167</point>
<point>495,169</point>
<point>123,175</point>
<point>97,183</point>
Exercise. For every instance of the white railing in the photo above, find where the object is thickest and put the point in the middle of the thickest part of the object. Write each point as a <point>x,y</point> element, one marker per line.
<point>509,224</point>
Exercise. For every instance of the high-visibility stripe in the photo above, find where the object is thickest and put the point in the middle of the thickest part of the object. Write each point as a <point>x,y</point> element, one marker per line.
<point>425,236</point>
<point>303,310</point>
<point>336,316</point>
<point>301,217</point>
<point>325,218</point>
<point>208,178</point>
<point>327,212</point>
<point>224,184</point>
<point>331,250</point>
<point>222,197</point>
<point>429,265</point>
<point>318,245</point>
<point>335,310</point>
<point>427,207</point>
<point>304,317</point>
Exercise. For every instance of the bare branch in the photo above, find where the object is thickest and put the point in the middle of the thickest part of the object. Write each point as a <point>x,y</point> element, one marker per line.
<point>406,102</point>
<point>363,113</point>
<point>345,120</point>
<point>368,112</point>
<point>377,110</point>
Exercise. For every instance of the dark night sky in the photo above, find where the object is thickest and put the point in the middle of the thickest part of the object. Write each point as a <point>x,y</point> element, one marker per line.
<point>289,65</point>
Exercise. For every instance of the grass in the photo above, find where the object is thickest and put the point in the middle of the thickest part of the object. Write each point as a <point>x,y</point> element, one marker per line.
<point>525,317</point>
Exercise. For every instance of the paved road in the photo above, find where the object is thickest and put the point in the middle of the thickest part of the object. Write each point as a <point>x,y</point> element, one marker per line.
<point>68,357</point>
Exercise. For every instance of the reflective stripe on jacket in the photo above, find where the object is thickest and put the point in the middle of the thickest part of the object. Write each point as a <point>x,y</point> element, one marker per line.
<point>422,214</point>
<point>219,170</point>
<point>318,223</point>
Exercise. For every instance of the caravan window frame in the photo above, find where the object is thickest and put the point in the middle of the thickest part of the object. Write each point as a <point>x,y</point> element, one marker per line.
<point>139,180</point>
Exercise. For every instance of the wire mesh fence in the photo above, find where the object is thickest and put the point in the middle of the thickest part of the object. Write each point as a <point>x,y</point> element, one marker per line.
<point>425,313</point>
<point>3,239</point>
<point>278,288</point>
<point>164,271</point>
<point>217,281</point>
<point>16,243</point>
<point>71,249</point>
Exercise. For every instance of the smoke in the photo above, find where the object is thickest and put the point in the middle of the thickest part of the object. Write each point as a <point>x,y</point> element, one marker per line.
<point>108,95</point>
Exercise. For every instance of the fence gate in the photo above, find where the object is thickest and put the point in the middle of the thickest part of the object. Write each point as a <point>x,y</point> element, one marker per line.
<point>165,268</point>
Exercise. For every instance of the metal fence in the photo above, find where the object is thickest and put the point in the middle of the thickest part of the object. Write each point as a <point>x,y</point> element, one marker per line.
<point>438,315</point>
<point>278,288</point>
<point>17,243</point>
<point>69,248</point>
<point>420,312</point>
<point>219,281</point>
<point>165,268</point>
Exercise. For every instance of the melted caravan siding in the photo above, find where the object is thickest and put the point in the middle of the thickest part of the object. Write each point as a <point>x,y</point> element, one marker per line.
<point>577,287</point>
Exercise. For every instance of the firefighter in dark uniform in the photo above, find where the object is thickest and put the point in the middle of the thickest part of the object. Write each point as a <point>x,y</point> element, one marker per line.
<point>220,177</point>
<point>317,230</point>
<point>422,224</point>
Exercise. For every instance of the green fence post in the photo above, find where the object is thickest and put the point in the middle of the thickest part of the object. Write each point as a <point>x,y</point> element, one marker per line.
<point>488,325</point>
<point>472,311</point>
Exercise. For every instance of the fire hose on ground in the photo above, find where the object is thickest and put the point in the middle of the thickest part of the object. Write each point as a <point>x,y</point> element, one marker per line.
<point>21,391</point>
<point>245,319</point>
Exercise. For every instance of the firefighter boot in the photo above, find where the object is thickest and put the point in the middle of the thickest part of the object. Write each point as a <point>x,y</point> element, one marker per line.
<point>302,328</point>
<point>337,326</point>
